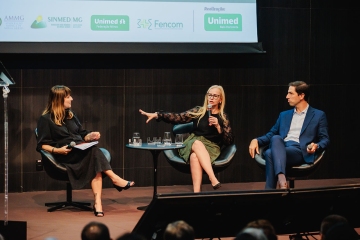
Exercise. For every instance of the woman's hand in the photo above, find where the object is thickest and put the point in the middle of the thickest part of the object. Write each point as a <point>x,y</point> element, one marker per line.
<point>63,150</point>
<point>150,116</point>
<point>213,121</point>
<point>93,136</point>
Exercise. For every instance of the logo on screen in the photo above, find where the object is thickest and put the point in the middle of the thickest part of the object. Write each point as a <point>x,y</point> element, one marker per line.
<point>110,23</point>
<point>38,23</point>
<point>159,24</point>
<point>222,22</point>
<point>144,23</point>
<point>0,21</point>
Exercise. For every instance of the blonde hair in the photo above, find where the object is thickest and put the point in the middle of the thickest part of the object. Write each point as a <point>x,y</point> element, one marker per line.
<point>55,105</point>
<point>201,113</point>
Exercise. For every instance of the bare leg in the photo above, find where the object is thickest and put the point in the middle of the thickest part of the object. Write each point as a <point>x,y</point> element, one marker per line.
<point>117,180</point>
<point>96,185</point>
<point>196,172</point>
<point>204,160</point>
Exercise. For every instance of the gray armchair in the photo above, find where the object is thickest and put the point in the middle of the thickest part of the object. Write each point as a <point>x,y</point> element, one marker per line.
<point>57,171</point>
<point>173,158</point>
<point>296,172</point>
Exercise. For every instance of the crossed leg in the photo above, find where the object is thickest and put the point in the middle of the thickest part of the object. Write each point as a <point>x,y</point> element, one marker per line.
<point>199,162</point>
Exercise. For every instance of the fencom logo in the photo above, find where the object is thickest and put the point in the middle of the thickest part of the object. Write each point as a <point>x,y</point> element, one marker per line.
<point>222,22</point>
<point>144,23</point>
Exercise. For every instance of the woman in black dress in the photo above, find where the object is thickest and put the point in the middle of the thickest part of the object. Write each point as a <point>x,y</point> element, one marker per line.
<point>203,145</point>
<point>57,127</point>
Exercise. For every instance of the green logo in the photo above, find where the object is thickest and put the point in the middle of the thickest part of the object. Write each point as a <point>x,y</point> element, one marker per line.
<point>38,23</point>
<point>110,23</point>
<point>222,22</point>
<point>0,21</point>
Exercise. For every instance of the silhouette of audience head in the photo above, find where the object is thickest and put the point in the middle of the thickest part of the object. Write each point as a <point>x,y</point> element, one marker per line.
<point>337,227</point>
<point>95,231</point>
<point>251,233</point>
<point>266,226</point>
<point>179,230</point>
<point>131,236</point>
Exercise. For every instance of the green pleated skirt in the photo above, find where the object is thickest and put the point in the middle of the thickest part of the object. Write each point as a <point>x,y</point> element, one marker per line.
<point>212,148</point>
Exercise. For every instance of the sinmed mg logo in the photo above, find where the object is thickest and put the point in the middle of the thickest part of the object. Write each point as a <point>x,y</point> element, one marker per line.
<point>110,23</point>
<point>222,22</point>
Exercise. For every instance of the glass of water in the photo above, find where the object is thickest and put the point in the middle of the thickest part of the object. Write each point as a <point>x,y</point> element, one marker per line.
<point>136,138</point>
<point>167,138</point>
<point>179,139</point>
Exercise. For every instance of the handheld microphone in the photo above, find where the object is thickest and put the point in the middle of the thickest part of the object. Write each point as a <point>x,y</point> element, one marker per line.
<point>310,146</point>
<point>209,106</point>
<point>71,145</point>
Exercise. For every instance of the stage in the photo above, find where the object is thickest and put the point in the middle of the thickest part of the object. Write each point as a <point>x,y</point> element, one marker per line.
<point>121,213</point>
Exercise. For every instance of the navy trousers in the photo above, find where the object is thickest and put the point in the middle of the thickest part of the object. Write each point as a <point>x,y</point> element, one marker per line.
<point>278,156</point>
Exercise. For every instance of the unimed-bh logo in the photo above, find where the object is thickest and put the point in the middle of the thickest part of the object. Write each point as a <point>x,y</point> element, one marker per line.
<point>222,22</point>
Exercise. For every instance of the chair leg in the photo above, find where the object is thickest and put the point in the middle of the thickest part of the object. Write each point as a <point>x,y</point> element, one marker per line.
<point>69,202</point>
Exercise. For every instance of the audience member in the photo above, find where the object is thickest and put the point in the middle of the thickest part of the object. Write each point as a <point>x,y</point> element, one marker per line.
<point>95,231</point>
<point>251,233</point>
<point>179,230</point>
<point>266,226</point>
<point>337,227</point>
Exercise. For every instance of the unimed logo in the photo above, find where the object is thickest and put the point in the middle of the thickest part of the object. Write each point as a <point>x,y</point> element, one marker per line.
<point>110,23</point>
<point>222,22</point>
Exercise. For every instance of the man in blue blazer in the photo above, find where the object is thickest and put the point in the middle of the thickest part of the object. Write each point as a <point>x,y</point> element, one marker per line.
<point>297,134</point>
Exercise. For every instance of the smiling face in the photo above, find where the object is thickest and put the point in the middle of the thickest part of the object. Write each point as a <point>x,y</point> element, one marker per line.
<point>293,97</point>
<point>67,101</point>
<point>214,96</point>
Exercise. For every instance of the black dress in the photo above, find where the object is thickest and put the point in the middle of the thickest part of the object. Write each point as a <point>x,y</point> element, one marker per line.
<point>81,165</point>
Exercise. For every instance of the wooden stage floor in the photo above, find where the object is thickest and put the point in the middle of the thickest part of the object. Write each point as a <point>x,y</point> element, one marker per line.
<point>121,213</point>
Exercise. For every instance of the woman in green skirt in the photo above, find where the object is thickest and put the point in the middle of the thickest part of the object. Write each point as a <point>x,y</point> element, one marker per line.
<point>211,130</point>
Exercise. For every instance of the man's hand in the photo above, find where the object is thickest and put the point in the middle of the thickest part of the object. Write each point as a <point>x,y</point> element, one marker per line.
<point>254,148</point>
<point>311,148</point>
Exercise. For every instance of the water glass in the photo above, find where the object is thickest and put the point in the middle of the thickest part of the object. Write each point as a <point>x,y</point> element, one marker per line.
<point>151,141</point>
<point>157,140</point>
<point>137,142</point>
<point>167,138</point>
<point>136,139</point>
<point>179,139</point>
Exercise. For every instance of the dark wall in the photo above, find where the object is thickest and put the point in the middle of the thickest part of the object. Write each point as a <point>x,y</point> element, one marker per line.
<point>312,41</point>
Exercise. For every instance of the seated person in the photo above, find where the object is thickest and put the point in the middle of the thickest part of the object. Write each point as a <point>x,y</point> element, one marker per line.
<point>179,230</point>
<point>57,127</point>
<point>293,140</point>
<point>211,130</point>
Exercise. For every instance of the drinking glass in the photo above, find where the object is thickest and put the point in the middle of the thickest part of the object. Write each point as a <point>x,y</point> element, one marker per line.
<point>151,141</point>
<point>157,140</point>
<point>179,139</point>
<point>167,138</point>
<point>136,138</point>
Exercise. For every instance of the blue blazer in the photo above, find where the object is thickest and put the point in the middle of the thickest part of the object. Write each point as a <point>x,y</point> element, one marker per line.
<point>314,129</point>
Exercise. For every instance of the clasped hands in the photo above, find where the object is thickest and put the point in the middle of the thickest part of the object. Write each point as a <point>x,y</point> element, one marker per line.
<point>254,148</point>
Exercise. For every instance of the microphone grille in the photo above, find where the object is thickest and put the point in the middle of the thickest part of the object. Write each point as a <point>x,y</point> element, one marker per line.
<point>72,144</point>
<point>209,106</point>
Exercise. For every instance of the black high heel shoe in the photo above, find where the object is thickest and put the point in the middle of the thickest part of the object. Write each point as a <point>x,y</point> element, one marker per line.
<point>217,186</point>
<point>128,185</point>
<point>98,214</point>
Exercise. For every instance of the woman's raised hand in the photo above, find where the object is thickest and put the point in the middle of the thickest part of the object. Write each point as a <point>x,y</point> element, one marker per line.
<point>149,115</point>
